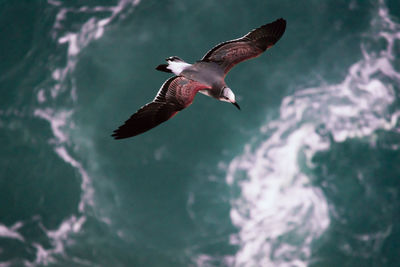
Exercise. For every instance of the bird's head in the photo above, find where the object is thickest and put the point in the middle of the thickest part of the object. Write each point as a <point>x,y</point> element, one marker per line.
<point>228,96</point>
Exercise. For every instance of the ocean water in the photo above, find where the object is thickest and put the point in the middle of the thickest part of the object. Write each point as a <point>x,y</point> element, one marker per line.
<point>306,174</point>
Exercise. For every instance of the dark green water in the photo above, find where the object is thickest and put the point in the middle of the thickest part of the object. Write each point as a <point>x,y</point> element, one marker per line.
<point>307,174</point>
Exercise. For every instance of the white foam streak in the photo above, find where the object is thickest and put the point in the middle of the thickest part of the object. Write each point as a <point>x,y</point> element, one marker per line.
<point>278,213</point>
<point>60,119</point>
<point>54,3</point>
<point>276,201</point>
<point>59,238</point>
<point>61,235</point>
<point>41,96</point>
<point>57,120</point>
<point>91,30</point>
<point>12,232</point>
<point>43,256</point>
<point>86,185</point>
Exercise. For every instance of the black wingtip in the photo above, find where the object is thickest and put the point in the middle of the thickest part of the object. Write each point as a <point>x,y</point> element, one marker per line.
<point>116,136</point>
<point>119,137</point>
<point>163,68</point>
<point>120,133</point>
<point>267,35</point>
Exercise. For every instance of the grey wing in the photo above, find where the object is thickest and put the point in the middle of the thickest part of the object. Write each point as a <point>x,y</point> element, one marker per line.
<point>174,95</point>
<point>253,44</point>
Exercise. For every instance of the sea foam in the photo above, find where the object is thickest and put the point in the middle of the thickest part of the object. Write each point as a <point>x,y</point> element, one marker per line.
<point>279,213</point>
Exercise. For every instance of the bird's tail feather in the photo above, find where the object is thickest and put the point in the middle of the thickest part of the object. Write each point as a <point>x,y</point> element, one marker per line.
<point>163,67</point>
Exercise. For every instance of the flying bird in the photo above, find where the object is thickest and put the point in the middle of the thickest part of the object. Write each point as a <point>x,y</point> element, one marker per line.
<point>206,76</point>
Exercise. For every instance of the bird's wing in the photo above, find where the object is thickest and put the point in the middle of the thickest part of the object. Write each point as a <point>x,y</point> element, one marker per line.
<point>230,53</point>
<point>174,95</point>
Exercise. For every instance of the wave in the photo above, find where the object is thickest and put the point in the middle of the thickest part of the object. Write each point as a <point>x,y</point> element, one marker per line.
<point>62,89</point>
<point>278,213</point>
<point>12,232</point>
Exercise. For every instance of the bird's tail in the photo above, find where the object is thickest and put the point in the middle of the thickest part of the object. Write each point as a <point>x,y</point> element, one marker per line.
<point>175,65</point>
<point>163,67</point>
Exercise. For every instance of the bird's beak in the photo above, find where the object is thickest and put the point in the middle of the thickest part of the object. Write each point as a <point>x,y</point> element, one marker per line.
<point>236,105</point>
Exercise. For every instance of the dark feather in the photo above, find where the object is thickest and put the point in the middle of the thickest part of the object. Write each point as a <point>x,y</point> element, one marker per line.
<point>146,118</point>
<point>253,44</point>
<point>163,67</point>
<point>174,95</point>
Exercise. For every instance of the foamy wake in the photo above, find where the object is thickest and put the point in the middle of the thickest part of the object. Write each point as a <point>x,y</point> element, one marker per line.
<point>60,120</point>
<point>278,212</point>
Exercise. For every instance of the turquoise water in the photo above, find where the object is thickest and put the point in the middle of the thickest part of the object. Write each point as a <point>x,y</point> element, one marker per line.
<point>306,174</point>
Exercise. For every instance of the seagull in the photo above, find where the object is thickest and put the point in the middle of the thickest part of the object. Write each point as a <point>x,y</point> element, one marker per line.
<point>206,76</point>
